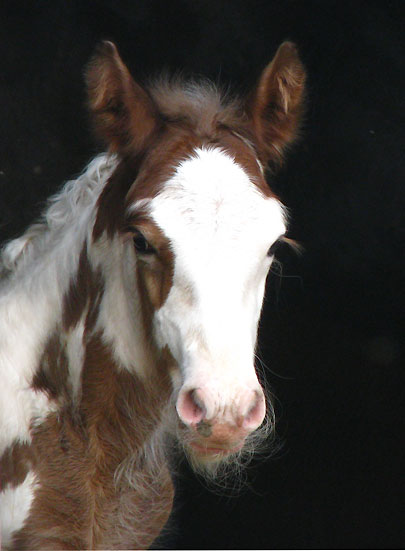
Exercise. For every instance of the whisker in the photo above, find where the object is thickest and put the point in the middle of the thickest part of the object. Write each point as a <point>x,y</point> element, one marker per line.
<point>265,367</point>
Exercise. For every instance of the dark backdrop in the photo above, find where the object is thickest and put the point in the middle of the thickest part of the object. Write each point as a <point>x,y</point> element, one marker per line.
<point>333,321</point>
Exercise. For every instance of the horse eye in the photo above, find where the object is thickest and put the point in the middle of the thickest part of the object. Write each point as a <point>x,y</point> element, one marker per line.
<point>141,244</point>
<point>275,247</point>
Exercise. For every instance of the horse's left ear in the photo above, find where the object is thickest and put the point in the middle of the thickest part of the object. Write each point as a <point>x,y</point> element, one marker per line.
<point>124,115</point>
<point>276,105</point>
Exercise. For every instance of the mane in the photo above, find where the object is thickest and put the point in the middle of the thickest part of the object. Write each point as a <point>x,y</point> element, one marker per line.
<point>199,102</point>
<point>76,198</point>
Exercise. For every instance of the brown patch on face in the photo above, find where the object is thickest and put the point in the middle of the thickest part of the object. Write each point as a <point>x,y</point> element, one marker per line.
<point>156,277</point>
<point>156,269</point>
<point>77,503</point>
<point>15,463</point>
<point>175,144</point>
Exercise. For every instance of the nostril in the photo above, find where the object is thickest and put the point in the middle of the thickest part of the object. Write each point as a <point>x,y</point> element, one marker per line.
<point>256,413</point>
<point>190,407</point>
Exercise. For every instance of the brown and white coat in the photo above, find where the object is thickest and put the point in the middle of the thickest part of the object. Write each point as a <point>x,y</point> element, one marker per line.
<point>130,312</point>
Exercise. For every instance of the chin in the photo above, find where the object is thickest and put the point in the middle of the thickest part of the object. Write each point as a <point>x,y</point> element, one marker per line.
<point>213,462</point>
<point>214,453</point>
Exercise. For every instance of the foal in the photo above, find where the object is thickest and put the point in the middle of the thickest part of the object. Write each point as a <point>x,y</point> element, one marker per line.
<point>130,311</point>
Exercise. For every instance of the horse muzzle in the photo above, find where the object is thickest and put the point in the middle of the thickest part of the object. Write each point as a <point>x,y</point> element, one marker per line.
<point>220,430</point>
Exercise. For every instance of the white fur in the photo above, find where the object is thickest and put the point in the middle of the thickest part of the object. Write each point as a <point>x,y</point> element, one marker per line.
<point>75,356</point>
<point>220,226</point>
<point>15,504</point>
<point>25,321</point>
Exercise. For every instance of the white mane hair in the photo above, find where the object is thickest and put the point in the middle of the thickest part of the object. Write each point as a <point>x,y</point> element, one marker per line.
<point>74,201</point>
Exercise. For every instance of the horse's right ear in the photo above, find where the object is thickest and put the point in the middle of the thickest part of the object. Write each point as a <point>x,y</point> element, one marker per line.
<point>124,115</point>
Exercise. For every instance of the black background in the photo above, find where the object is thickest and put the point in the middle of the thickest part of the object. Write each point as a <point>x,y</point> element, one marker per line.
<point>333,322</point>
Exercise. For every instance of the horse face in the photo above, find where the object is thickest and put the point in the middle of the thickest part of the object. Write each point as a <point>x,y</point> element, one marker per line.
<point>204,266</point>
<point>202,226</point>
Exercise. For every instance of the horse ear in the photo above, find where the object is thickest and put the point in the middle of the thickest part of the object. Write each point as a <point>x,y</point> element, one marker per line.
<point>124,115</point>
<point>276,104</point>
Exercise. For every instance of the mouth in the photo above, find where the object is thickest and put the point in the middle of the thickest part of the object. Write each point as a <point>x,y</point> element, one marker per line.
<point>215,451</point>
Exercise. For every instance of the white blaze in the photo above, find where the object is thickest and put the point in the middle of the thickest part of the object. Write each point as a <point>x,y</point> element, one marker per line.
<point>220,226</point>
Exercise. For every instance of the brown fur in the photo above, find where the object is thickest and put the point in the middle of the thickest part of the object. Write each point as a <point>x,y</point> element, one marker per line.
<point>155,274</point>
<point>85,292</point>
<point>76,299</point>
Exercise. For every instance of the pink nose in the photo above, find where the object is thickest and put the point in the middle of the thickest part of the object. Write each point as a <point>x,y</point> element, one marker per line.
<point>247,410</point>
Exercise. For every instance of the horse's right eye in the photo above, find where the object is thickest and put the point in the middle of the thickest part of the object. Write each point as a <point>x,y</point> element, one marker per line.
<point>141,244</point>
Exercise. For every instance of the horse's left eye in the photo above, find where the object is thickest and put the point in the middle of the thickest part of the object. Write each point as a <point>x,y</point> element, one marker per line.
<point>141,244</point>
<point>275,247</point>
